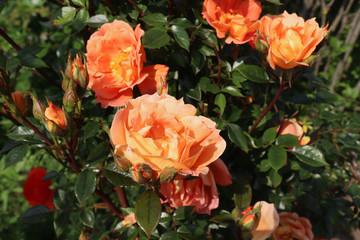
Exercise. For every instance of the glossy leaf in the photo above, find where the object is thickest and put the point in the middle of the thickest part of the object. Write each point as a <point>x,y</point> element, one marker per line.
<point>253,73</point>
<point>287,140</point>
<point>156,37</point>
<point>97,21</point>
<point>232,91</point>
<point>220,101</point>
<point>87,217</point>
<point>85,185</point>
<point>15,155</point>
<point>35,214</point>
<point>309,155</point>
<point>275,178</point>
<point>181,36</point>
<point>80,3</point>
<point>118,178</point>
<point>182,22</point>
<point>237,136</point>
<point>277,157</point>
<point>269,135</point>
<point>170,235</point>
<point>242,195</point>
<point>32,61</point>
<point>148,211</point>
<point>60,222</point>
<point>67,14</point>
<point>155,19</point>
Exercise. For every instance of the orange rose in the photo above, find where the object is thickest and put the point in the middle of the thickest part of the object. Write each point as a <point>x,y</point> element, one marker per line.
<point>36,190</point>
<point>54,114</point>
<point>200,192</point>
<point>292,127</point>
<point>22,103</point>
<point>238,19</point>
<point>267,222</point>
<point>291,40</point>
<point>292,226</point>
<point>162,132</point>
<point>115,59</point>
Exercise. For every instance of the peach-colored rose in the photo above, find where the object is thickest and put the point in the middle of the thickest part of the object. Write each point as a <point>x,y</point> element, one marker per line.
<point>291,40</point>
<point>267,222</point>
<point>293,127</point>
<point>115,59</point>
<point>238,19</point>
<point>55,115</point>
<point>292,226</point>
<point>161,132</point>
<point>200,192</point>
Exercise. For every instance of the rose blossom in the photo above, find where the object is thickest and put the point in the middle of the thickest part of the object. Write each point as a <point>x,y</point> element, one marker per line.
<point>292,127</point>
<point>267,222</point>
<point>36,190</point>
<point>238,19</point>
<point>200,192</point>
<point>54,114</point>
<point>115,59</point>
<point>293,226</point>
<point>291,40</point>
<point>162,132</point>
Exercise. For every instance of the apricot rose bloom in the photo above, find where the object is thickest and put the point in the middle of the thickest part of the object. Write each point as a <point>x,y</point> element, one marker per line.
<point>293,127</point>
<point>291,40</point>
<point>238,19</point>
<point>201,192</point>
<point>55,115</point>
<point>292,226</point>
<point>36,190</point>
<point>266,223</point>
<point>160,132</point>
<point>115,59</point>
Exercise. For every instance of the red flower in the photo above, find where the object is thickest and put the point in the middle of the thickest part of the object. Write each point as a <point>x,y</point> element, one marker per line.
<point>36,190</point>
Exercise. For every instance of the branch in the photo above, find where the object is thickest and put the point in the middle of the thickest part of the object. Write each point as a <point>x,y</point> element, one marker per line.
<point>137,8</point>
<point>109,203</point>
<point>121,196</point>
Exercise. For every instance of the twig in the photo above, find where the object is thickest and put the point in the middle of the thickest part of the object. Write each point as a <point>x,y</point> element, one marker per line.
<point>57,2</point>
<point>9,39</point>
<point>109,203</point>
<point>219,63</point>
<point>280,90</point>
<point>121,196</point>
<point>137,8</point>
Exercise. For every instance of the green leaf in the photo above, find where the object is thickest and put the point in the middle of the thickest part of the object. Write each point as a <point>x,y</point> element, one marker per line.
<point>242,195</point>
<point>309,155</point>
<point>275,178</point>
<point>31,61</point>
<point>194,93</point>
<point>67,14</point>
<point>269,135</point>
<point>220,101</point>
<point>22,133</point>
<point>99,153</point>
<point>156,37</point>
<point>287,140</point>
<point>87,217</point>
<point>232,91</point>
<point>253,73</point>
<point>170,235</point>
<point>97,21</point>
<point>354,190</point>
<point>206,86</point>
<point>80,3</point>
<point>61,220</point>
<point>208,37</point>
<point>85,185</point>
<point>15,155</point>
<point>118,178</point>
<point>222,218</point>
<point>197,61</point>
<point>264,165</point>
<point>81,17</point>
<point>50,175</point>
<point>155,19</point>
<point>35,214</point>
<point>237,136</point>
<point>181,36</point>
<point>277,157</point>
<point>61,200</point>
<point>148,211</point>
<point>182,22</point>
<point>206,50</point>
<point>277,2</point>
<point>12,62</point>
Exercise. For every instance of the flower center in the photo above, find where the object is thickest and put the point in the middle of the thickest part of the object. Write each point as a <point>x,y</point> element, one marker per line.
<point>121,65</point>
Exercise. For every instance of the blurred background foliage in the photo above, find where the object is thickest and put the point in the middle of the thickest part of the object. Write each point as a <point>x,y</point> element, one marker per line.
<point>325,98</point>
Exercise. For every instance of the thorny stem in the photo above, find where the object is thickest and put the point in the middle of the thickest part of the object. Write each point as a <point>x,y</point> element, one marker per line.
<point>280,90</point>
<point>108,202</point>
<point>137,8</point>
<point>122,197</point>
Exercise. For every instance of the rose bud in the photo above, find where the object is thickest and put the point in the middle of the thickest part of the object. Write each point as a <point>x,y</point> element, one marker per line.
<point>121,162</point>
<point>141,173</point>
<point>70,99</point>
<point>56,120</point>
<point>38,108</point>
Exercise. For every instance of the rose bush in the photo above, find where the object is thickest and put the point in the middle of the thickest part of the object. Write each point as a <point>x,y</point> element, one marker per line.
<point>201,192</point>
<point>290,39</point>
<point>238,19</point>
<point>151,130</point>
<point>115,59</point>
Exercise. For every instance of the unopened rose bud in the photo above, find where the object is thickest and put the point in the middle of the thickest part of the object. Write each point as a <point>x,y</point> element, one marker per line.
<point>68,68</point>
<point>163,89</point>
<point>56,120</point>
<point>261,46</point>
<point>141,173</point>
<point>121,161</point>
<point>70,99</point>
<point>168,174</point>
<point>79,74</point>
<point>38,108</point>
<point>248,222</point>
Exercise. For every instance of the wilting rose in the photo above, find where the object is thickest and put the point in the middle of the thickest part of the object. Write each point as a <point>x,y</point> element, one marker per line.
<point>36,190</point>
<point>55,115</point>
<point>292,226</point>
<point>238,19</point>
<point>115,59</point>
<point>200,192</point>
<point>267,222</point>
<point>291,40</point>
<point>293,127</point>
<point>162,132</point>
